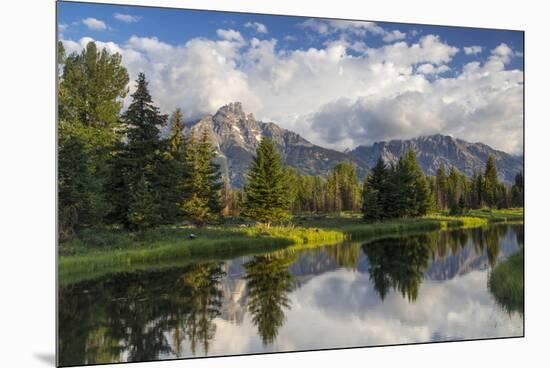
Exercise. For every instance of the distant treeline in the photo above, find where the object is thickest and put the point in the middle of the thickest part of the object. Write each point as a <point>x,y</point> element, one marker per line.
<point>115,168</point>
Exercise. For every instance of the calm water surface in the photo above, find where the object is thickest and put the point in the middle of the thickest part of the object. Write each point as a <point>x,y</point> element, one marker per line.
<point>410,289</point>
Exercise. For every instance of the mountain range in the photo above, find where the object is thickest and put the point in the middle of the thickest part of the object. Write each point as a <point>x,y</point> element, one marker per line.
<point>236,135</point>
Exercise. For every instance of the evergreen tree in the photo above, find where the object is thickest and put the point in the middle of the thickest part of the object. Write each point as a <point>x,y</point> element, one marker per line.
<point>226,197</point>
<point>411,189</point>
<point>202,190</point>
<point>81,196</point>
<point>374,192</point>
<point>372,210</point>
<point>517,190</point>
<point>143,209</point>
<point>210,171</point>
<point>91,87</point>
<point>491,182</point>
<point>266,190</point>
<point>333,193</point>
<point>140,156</point>
<point>477,190</point>
<point>94,83</point>
<point>172,170</point>
<point>441,187</point>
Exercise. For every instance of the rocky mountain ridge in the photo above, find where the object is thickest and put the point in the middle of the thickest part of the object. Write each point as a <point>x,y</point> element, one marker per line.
<point>236,135</point>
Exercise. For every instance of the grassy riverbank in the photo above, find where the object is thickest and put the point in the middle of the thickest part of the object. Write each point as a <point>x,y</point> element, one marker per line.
<point>102,250</point>
<point>506,283</point>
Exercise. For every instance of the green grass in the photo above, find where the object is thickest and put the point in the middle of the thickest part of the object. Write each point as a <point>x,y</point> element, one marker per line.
<point>99,251</point>
<point>506,282</point>
<point>112,249</point>
<point>506,215</point>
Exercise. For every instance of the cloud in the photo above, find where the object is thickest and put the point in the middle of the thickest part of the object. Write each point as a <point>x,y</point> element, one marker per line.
<point>431,69</point>
<point>359,28</point>
<point>199,76</point>
<point>259,27</point>
<point>331,95</point>
<point>354,28</point>
<point>94,24</point>
<point>394,35</point>
<point>472,50</point>
<point>346,304</point>
<point>503,53</point>
<point>315,25</point>
<point>126,18</point>
<point>483,103</point>
<point>230,35</point>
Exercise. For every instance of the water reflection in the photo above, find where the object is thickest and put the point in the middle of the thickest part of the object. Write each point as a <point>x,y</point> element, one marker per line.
<point>269,282</point>
<point>416,288</point>
<point>133,317</point>
<point>399,263</point>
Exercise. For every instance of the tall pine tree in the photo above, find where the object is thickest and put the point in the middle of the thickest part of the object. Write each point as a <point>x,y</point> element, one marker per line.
<point>441,187</point>
<point>517,190</point>
<point>412,191</point>
<point>172,170</point>
<point>140,156</point>
<point>202,189</point>
<point>375,192</point>
<point>266,190</point>
<point>491,185</point>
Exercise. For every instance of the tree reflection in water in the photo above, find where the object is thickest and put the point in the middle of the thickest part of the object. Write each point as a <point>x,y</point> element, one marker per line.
<point>345,255</point>
<point>150,315</point>
<point>131,317</point>
<point>269,281</point>
<point>399,263</point>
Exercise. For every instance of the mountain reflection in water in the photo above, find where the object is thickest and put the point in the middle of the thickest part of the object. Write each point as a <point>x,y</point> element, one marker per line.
<point>418,288</point>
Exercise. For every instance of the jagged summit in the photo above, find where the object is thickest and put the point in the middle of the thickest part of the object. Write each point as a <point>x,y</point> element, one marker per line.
<point>233,111</point>
<point>237,134</point>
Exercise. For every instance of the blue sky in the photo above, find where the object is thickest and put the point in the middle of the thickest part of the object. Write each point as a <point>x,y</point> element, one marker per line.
<point>259,57</point>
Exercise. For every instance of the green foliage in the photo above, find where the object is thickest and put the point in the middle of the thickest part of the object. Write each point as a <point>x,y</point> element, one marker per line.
<point>196,209</point>
<point>202,188</point>
<point>375,191</point>
<point>172,170</point>
<point>343,191</point>
<point>266,190</point>
<point>440,189</point>
<point>400,191</point>
<point>143,209</point>
<point>94,83</point>
<point>506,283</point>
<point>91,87</point>
<point>491,184</point>
<point>372,208</point>
<point>141,156</point>
<point>517,191</point>
<point>310,193</point>
<point>100,251</point>
<point>81,196</point>
<point>458,193</point>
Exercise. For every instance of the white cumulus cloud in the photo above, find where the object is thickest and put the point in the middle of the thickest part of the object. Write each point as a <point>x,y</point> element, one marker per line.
<point>126,18</point>
<point>94,24</point>
<point>472,50</point>
<point>259,27</point>
<point>229,35</point>
<point>332,97</point>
